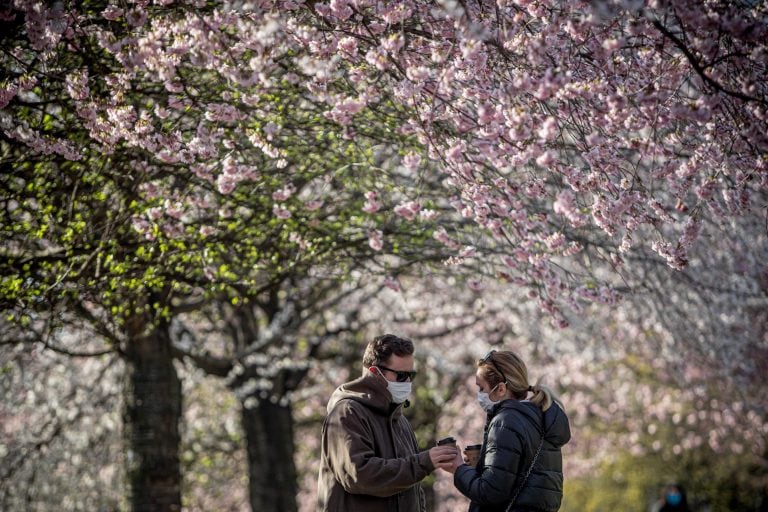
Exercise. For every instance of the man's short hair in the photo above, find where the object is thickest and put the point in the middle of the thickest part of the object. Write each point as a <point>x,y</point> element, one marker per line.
<point>382,347</point>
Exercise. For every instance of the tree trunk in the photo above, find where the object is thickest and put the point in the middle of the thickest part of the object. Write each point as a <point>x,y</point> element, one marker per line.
<point>268,430</point>
<point>153,411</point>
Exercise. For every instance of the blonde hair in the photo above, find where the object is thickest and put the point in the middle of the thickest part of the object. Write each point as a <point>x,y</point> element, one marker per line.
<point>499,365</point>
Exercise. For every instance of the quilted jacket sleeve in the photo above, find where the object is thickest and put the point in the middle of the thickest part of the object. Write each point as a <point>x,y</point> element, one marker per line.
<point>493,483</point>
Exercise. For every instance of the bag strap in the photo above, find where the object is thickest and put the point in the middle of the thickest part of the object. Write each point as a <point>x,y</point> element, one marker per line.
<point>527,474</point>
<point>525,479</point>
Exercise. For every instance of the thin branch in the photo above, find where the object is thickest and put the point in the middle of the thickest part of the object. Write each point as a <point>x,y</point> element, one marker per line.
<point>697,66</point>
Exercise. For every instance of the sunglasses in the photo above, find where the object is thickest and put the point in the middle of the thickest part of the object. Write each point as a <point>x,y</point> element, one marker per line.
<point>489,359</point>
<point>400,376</point>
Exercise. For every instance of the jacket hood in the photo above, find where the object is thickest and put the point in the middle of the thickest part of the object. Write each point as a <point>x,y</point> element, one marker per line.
<point>369,390</point>
<point>557,430</point>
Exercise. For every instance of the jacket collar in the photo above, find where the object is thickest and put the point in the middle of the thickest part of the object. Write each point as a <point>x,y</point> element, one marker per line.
<point>523,406</point>
<point>371,391</point>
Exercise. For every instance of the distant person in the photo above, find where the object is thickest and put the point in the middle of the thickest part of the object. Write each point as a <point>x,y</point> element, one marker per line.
<point>672,500</point>
<point>370,461</point>
<point>520,466</point>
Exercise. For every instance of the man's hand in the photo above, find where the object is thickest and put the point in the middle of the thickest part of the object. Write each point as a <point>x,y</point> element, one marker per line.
<point>441,455</point>
<point>453,462</point>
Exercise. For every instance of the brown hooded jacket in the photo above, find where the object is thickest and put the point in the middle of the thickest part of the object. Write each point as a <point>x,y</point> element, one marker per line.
<point>370,460</point>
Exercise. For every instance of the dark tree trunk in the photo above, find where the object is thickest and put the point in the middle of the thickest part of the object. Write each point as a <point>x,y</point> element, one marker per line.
<point>268,430</point>
<point>153,411</point>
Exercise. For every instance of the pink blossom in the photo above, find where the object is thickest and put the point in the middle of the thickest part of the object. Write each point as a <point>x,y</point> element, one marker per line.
<point>378,59</point>
<point>485,113</point>
<point>284,193</point>
<point>548,129</point>
<point>313,205</point>
<point>394,12</point>
<point>161,112</point>
<point>393,43</point>
<point>323,9</point>
<point>456,152</point>
<point>408,210</point>
<point>167,156</point>
<point>546,159</point>
<point>281,212</point>
<point>225,184</point>
<point>223,112</point>
<point>348,45</point>
<point>510,262</point>
<point>690,232</point>
<point>427,214</point>
<point>475,285</point>
<point>417,73</point>
<point>77,84</point>
<point>611,44</point>
<point>140,225</point>
<point>343,111</point>
<point>112,12</point>
<point>392,283</point>
<point>566,205</point>
<point>441,235</point>
<point>555,241</point>
<point>136,17</point>
<point>341,9</point>
<point>375,240</point>
<point>7,93</point>
<point>534,188</point>
<point>412,160</point>
<point>371,204</point>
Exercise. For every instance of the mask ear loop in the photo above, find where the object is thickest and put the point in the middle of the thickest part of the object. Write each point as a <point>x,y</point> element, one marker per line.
<point>506,389</point>
<point>377,371</point>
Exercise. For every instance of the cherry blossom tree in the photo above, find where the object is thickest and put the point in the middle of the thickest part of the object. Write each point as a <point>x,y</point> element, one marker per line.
<point>59,435</point>
<point>153,173</point>
<point>575,134</point>
<point>163,156</point>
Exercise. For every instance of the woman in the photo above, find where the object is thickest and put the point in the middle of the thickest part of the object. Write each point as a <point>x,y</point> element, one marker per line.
<point>520,466</point>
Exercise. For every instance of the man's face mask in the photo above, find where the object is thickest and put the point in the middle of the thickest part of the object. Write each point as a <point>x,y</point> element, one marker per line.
<point>400,391</point>
<point>401,388</point>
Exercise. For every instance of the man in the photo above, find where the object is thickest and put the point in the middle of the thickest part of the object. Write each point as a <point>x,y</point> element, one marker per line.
<point>370,461</point>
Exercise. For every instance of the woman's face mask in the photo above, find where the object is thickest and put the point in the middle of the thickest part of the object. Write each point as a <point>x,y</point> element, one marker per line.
<point>484,399</point>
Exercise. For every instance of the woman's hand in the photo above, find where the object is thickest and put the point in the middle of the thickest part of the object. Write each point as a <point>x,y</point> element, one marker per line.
<point>451,465</point>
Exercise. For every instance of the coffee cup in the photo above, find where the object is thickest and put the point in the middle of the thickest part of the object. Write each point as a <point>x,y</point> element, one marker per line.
<point>447,441</point>
<point>472,453</point>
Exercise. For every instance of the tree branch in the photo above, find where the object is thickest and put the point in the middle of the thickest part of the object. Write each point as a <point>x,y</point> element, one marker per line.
<point>697,66</point>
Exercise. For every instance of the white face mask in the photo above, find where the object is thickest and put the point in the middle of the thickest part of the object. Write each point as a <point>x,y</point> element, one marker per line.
<point>484,399</point>
<point>400,391</point>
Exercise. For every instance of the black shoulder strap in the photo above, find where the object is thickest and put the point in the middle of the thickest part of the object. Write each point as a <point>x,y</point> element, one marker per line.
<point>533,463</point>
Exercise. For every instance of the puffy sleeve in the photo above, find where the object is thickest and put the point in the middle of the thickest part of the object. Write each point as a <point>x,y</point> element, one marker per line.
<point>494,482</point>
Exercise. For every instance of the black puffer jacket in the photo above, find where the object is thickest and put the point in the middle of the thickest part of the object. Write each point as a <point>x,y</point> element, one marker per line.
<point>512,435</point>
